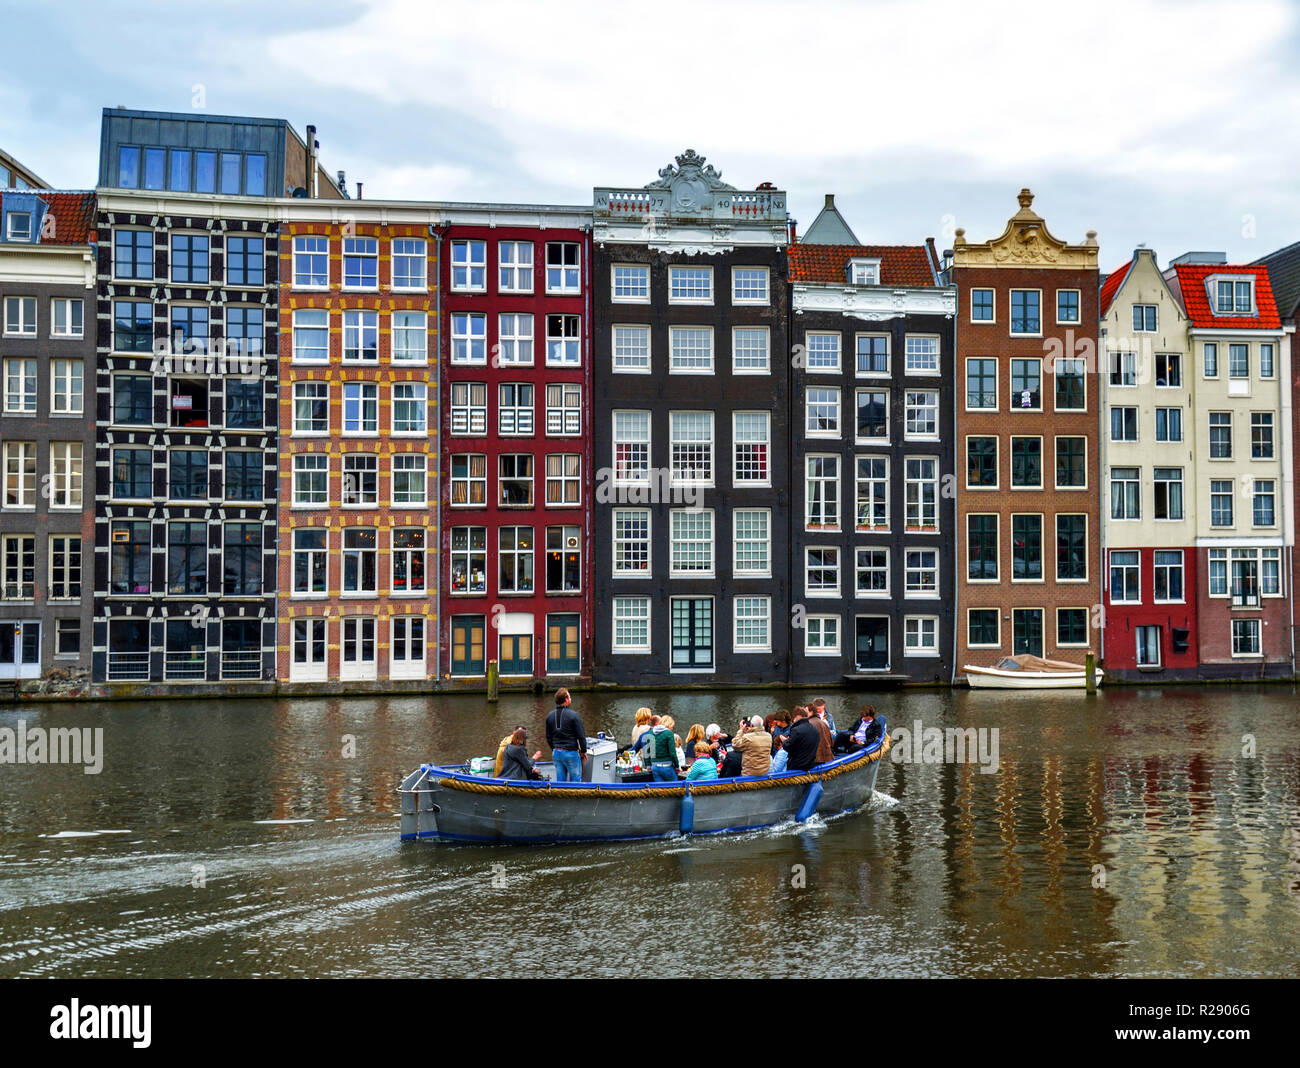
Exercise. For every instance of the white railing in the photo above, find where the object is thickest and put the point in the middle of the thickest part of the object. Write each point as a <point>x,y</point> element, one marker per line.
<point>242,665</point>
<point>191,665</point>
<point>128,667</point>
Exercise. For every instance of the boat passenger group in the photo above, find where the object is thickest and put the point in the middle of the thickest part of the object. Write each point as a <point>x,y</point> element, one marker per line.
<point>783,741</point>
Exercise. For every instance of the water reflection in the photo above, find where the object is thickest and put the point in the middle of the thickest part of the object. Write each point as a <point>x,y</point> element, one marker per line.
<point>966,874</point>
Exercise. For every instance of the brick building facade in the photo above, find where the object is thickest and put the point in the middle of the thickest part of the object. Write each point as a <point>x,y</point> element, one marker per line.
<point>1028,523</point>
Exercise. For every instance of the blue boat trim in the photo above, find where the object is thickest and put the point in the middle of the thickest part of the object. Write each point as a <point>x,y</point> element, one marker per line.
<point>450,771</point>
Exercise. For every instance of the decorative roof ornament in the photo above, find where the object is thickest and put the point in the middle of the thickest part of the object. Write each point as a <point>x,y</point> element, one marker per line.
<point>691,183</point>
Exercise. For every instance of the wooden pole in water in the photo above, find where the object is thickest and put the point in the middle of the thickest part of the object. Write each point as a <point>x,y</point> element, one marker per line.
<point>1090,673</point>
<point>492,676</point>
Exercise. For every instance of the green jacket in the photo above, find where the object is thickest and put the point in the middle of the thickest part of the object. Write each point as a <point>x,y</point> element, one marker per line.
<point>664,746</point>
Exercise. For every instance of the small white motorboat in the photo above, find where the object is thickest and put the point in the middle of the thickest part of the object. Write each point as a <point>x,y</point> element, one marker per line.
<point>1025,672</point>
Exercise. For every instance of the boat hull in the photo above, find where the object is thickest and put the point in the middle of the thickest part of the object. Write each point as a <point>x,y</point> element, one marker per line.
<point>440,802</point>
<point>993,679</point>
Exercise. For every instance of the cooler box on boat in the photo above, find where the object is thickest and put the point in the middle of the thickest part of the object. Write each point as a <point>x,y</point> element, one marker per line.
<point>602,765</point>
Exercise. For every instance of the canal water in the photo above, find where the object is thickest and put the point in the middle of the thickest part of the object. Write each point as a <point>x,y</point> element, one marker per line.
<point>1140,833</point>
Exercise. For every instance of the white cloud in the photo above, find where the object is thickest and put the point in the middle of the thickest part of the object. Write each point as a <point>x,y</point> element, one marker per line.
<point>1004,87</point>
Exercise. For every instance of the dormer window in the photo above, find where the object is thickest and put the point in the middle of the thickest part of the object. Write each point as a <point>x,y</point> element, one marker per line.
<point>1232,296</point>
<point>864,272</point>
<point>18,226</point>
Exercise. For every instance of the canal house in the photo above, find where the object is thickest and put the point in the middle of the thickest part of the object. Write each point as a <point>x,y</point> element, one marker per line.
<point>516,418</point>
<point>872,453</point>
<point>1028,562</point>
<point>692,430</point>
<point>47,435</point>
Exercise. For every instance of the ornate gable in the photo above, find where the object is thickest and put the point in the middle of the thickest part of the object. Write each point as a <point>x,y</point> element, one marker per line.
<point>1026,242</point>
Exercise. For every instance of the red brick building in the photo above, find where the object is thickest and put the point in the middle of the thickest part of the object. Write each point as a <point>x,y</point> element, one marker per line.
<point>516,419</point>
<point>1028,524</point>
<point>358,527</point>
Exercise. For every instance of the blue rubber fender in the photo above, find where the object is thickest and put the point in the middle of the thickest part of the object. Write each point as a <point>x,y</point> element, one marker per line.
<point>810,802</point>
<point>688,812</point>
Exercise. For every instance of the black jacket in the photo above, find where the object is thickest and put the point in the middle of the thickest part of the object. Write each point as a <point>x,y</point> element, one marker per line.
<point>804,738</point>
<point>875,730</point>
<point>564,729</point>
<point>516,763</point>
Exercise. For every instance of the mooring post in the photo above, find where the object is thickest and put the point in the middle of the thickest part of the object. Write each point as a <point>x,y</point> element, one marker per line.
<point>1090,673</point>
<point>493,674</point>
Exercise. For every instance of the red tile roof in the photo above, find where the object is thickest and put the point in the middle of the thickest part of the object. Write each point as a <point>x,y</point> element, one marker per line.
<point>900,265</point>
<point>74,216</point>
<point>1191,279</point>
<point>1111,286</point>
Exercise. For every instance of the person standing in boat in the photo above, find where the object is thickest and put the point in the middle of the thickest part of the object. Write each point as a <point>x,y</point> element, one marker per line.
<point>804,740</point>
<point>567,738</point>
<point>515,762</point>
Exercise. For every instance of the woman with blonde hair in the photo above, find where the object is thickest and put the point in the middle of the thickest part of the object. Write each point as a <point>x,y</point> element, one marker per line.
<point>643,716</point>
<point>695,734</point>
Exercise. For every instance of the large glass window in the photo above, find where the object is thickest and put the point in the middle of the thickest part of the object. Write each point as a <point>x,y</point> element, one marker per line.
<point>242,559</point>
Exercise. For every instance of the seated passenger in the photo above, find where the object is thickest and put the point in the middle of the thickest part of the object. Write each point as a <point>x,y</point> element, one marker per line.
<point>501,751</point>
<point>516,763</point>
<point>643,717</point>
<point>755,746</point>
<point>866,731</point>
<point>780,759</point>
<point>703,767</point>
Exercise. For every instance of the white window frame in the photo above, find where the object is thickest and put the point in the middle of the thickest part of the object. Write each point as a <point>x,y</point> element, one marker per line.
<point>67,380</point>
<point>752,608</point>
<point>620,334</point>
<point>823,352</point>
<point>622,545</point>
<point>640,618</point>
<point>682,549</point>
<point>421,257</point>
<point>930,648</point>
<point>836,567</point>
<point>743,538</point>
<point>739,273</point>
<point>307,467</point>
<point>304,246</point>
<point>744,436</point>
<point>862,570</point>
<point>637,294</point>
<point>688,272</point>
<point>468,344</point>
<point>702,364</point>
<point>67,305</point>
<point>678,421</point>
<point>514,267</point>
<point>516,335</point>
<point>418,327</point>
<point>820,625</point>
<point>918,361</point>
<point>738,368</point>
<point>468,259</point>
<point>313,386</point>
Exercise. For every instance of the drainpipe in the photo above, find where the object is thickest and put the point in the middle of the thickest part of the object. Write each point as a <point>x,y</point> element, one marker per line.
<point>1288,473</point>
<point>956,447</point>
<point>1103,397</point>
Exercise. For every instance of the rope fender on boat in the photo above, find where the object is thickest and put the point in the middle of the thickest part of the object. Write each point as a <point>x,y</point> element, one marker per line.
<point>697,788</point>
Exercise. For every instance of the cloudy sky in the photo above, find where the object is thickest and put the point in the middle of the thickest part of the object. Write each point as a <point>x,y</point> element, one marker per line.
<point>1165,123</point>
